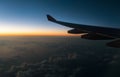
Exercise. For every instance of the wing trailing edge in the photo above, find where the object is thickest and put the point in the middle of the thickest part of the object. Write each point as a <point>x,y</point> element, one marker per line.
<point>115,44</point>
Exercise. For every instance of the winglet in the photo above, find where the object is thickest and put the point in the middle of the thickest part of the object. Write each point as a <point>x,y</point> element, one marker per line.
<point>50,18</point>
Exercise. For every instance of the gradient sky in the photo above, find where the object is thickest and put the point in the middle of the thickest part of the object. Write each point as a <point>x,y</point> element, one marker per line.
<point>28,17</point>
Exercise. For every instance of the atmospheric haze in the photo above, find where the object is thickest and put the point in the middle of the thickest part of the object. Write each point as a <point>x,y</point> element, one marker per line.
<point>53,56</point>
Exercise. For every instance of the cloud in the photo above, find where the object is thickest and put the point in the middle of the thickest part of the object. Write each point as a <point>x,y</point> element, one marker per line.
<point>31,56</point>
<point>63,65</point>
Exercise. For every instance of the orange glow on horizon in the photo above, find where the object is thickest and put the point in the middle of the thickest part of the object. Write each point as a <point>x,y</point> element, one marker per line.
<point>12,29</point>
<point>37,34</point>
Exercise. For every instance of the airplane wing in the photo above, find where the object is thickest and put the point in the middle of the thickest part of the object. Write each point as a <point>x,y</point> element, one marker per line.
<point>91,32</point>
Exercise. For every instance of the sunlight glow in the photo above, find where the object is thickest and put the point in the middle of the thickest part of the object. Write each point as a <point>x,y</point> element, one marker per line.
<point>8,29</point>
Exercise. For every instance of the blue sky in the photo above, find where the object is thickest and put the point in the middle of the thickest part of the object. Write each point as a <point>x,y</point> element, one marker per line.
<point>30,15</point>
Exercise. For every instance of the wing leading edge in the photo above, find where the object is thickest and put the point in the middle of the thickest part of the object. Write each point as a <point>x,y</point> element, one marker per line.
<point>93,32</point>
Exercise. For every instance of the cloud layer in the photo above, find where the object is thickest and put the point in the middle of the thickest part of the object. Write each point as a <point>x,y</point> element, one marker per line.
<point>55,56</point>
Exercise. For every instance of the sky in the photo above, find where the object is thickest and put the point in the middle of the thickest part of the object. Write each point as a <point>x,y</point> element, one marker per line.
<point>28,17</point>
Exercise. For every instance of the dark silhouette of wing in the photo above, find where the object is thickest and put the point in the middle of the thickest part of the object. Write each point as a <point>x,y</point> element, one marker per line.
<point>91,32</point>
<point>115,43</point>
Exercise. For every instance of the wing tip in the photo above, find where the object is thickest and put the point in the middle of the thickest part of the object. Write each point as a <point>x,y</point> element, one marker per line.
<point>50,18</point>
